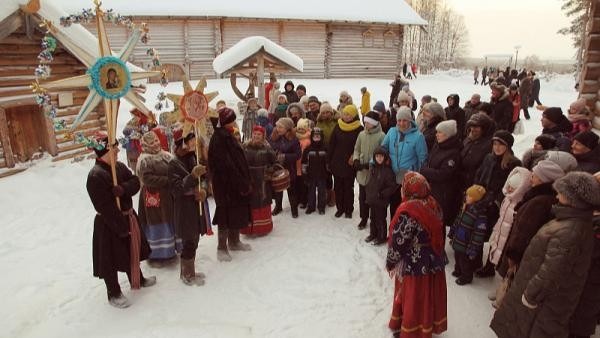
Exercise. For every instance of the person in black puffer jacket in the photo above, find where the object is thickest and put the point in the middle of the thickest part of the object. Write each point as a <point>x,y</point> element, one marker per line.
<point>502,107</point>
<point>492,175</point>
<point>379,189</point>
<point>456,113</point>
<point>441,169</point>
<point>555,123</point>
<point>477,144</point>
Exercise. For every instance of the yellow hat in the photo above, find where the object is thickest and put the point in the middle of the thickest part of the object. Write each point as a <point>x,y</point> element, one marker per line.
<point>350,110</point>
<point>476,192</point>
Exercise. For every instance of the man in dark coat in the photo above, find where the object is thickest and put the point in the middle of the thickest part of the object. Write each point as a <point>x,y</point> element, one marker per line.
<point>290,93</point>
<point>473,106</point>
<point>484,72</point>
<point>115,227</point>
<point>502,108</point>
<point>586,150</point>
<point>231,185</point>
<point>555,123</point>
<point>456,113</point>
<point>396,88</point>
<point>525,90</point>
<point>477,144</point>
<point>442,167</point>
<point>184,179</point>
<point>535,90</point>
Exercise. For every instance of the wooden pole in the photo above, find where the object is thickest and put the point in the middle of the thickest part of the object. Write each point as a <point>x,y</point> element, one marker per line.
<point>110,117</point>
<point>260,73</point>
<point>5,140</point>
<point>198,161</point>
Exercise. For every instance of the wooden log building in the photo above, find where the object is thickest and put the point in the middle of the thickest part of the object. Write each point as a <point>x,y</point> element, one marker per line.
<point>589,80</point>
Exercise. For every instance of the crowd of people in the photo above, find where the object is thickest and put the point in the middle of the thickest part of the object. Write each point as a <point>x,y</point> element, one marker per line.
<point>436,173</point>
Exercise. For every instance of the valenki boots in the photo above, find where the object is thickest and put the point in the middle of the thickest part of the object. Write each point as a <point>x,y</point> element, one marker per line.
<point>188,273</point>
<point>222,252</point>
<point>234,242</point>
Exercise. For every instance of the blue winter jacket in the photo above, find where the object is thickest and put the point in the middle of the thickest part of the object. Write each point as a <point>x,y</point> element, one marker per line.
<point>408,150</point>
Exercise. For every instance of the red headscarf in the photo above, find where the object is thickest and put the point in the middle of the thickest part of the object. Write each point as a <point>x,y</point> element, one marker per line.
<point>418,203</point>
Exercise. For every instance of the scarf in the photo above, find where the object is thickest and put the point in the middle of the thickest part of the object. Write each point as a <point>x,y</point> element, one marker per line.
<point>349,126</point>
<point>427,213</point>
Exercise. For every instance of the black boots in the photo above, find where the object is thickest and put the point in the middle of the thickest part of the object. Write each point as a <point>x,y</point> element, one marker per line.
<point>362,224</point>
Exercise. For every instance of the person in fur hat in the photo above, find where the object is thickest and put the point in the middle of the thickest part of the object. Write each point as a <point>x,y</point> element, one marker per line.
<point>467,235</point>
<point>295,111</point>
<point>281,109</point>
<point>156,203</point>
<point>290,93</point>
<point>262,120</point>
<point>340,160</point>
<point>345,99</point>
<point>416,262</point>
<point>580,117</point>
<point>368,140</point>
<point>380,187</point>
<point>188,182</point>
<point>231,186</point>
<point>314,106</point>
<point>541,146</point>
<point>261,159</point>
<point>314,168</point>
<point>502,108</point>
<point>555,123</point>
<point>250,118</point>
<point>476,146</point>
<point>327,121</point>
<point>586,150</point>
<point>117,237</point>
<point>287,148</point>
<point>547,287</point>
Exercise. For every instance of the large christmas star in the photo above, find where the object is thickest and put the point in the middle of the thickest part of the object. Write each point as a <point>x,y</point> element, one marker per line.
<point>193,106</point>
<point>107,77</point>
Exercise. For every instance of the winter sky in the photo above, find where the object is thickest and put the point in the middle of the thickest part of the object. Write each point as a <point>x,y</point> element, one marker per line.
<point>497,26</point>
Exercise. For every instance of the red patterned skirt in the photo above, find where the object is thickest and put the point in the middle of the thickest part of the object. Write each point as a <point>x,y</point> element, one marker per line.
<point>262,222</point>
<point>419,308</point>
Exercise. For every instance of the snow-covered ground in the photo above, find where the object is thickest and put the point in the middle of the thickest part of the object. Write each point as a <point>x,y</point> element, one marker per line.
<point>312,277</point>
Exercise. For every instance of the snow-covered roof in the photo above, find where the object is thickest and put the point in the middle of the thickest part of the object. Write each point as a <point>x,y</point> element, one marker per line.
<point>249,46</point>
<point>50,10</point>
<point>373,11</point>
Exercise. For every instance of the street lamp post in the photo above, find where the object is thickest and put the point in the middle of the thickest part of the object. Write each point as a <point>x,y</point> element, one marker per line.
<point>517,55</point>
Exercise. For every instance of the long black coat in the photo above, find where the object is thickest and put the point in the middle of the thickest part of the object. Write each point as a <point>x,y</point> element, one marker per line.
<point>259,157</point>
<point>231,180</point>
<point>110,243</point>
<point>341,148</point>
<point>472,155</point>
<point>441,171</point>
<point>186,212</point>
<point>502,112</point>
<point>456,113</point>
<point>430,131</point>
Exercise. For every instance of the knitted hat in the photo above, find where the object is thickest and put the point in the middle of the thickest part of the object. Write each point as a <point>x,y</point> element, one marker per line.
<point>313,98</point>
<point>548,171</point>
<point>515,180</point>
<point>504,137</point>
<point>372,118</point>
<point>404,113</point>
<point>286,123</point>
<point>436,109</point>
<point>588,138</point>
<point>379,107</point>
<point>547,141</point>
<point>476,192</point>
<point>581,189</point>
<point>226,116</point>
<point>565,161</point>
<point>554,114</point>
<point>350,110</point>
<point>262,112</point>
<point>326,106</point>
<point>447,128</point>
<point>403,96</point>
<point>101,143</point>
<point>150,143</point>
<point>258,129</point>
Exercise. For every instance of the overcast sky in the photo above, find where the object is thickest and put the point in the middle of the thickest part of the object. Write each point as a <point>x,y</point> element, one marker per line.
<point>497,26</point>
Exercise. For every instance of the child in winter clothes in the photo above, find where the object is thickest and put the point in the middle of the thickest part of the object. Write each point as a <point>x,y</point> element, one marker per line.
<point>281,109</point>
<point>314,169</point>
<point>262,119</point>
<point>379,189</point>
<point>468,234</point>
<point>517,184</point>
<point>368,140</point>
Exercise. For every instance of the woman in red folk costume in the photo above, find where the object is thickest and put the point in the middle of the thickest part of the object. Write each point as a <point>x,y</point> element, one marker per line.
<point>416,261</point>
<point>118,243</point>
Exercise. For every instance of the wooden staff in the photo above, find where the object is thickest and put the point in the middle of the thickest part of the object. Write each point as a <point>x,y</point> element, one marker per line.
<point>198,161</point>
<point>111,107</point>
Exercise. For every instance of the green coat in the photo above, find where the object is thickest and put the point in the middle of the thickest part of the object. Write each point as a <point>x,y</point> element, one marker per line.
<point>367,142</point>
<point>552,274</point>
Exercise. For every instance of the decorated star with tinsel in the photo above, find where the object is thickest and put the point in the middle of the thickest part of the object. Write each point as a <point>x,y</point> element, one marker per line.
<point>192,108</point>
<point>107,77</point>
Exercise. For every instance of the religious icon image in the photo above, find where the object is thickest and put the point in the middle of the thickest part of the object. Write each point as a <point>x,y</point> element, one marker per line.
<point>113,81</point>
